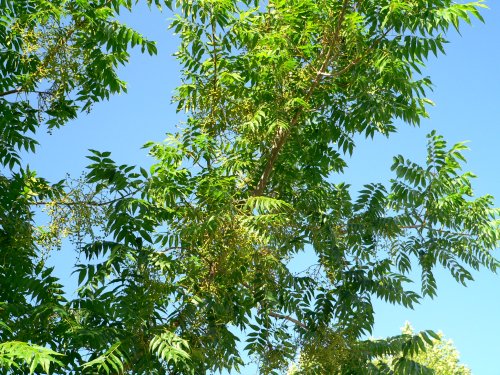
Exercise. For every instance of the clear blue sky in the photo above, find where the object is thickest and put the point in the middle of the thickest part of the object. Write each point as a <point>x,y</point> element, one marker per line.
<point>467,97</point>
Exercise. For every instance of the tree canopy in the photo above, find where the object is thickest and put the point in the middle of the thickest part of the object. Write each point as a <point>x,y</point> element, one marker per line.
<point>185,268</point>
<point>441,356</point>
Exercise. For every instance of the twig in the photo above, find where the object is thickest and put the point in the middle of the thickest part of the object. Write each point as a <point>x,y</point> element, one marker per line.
<point>287,317</point>
<point>88,203</point>
<point>10,92</point>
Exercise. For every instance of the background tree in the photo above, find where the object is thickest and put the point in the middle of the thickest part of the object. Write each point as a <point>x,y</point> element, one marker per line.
<point>439,356</point>
<point>442,357</point>
<point>196,252</point>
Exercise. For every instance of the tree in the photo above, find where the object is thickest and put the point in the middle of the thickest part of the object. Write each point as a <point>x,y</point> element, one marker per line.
<point>441,356</point>
<point>56,58</point>
<point>438,357</point>
<point>195,253</point>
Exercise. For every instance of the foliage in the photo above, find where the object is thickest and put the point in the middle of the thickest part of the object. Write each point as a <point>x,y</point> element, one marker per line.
<point>57,57</point>
<point>16,355</point>
<point>196,253</point>
<point>408,353</point>
<point>440,356</point>
<point>402,354</point>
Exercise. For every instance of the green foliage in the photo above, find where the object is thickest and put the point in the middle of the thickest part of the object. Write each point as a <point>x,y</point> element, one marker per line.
<point>439,356</point>
<point>27,357</point>
<point>196,253</point>
<point>57,57</point>
<point>408,353</point>
<point>171,349</point>
<point>332,354</point>
<point>109,362</point>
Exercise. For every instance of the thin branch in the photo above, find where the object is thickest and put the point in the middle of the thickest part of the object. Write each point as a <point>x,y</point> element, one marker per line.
<point>289,318</point>
<point>278,315</point>
<point>20,90</point>
<point>420,226</point>
<point>282,135</point>
<point>416,226</point>
<point>358,59</point>
<point>88,203</point>
<point>169,249</point>
<point>10,92</point>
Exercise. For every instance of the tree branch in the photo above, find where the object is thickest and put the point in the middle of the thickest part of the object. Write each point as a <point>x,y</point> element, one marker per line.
<point>282,135</point>
<point>88,203</point>
<point>287,317</point>
<point>280,316</point>
<point>10,92</point>
<point>20,90</point>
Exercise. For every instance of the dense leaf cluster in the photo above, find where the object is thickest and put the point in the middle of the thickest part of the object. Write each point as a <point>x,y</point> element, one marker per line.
<point>57,57</point>
<point>439,356</point>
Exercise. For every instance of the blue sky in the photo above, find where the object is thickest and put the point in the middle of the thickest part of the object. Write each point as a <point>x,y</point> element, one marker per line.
<point>467,97</point>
